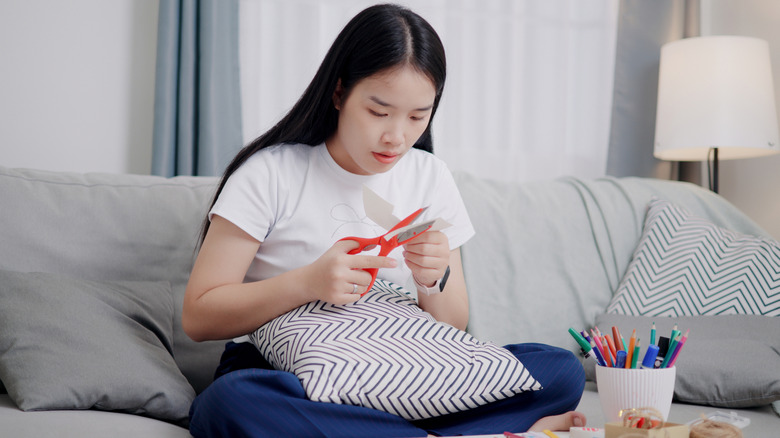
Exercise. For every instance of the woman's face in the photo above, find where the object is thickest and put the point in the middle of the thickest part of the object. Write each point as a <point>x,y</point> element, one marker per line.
<point>380,120</point>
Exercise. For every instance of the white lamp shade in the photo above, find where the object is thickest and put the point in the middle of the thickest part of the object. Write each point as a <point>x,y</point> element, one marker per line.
<point>715,92</point>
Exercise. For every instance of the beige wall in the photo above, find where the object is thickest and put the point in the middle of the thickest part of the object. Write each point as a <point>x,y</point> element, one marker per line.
<point>77,84</point>
<point>753,185</point>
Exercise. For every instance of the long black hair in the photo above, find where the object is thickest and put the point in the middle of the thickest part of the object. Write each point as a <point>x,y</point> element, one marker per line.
<point>378,38</point>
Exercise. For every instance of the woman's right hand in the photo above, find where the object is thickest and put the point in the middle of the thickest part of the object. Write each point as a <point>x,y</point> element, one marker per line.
<point>219,305</point>
<point>338,277</point>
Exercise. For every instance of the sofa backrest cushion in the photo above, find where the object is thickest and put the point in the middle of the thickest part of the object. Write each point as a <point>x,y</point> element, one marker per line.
<point>110,227</point>
<point>548,255</point>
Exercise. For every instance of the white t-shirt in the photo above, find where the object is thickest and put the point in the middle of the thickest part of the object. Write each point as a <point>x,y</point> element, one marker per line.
<point>297,201</point>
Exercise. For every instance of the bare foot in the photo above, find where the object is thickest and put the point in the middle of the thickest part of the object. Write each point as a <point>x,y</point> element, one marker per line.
<point>560,423</point>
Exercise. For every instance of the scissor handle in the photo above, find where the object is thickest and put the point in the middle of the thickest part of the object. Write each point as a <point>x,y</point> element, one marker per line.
<point>364,244</point>
<point>373,272</point>
<point>367,244</point>
<point>386,246</point>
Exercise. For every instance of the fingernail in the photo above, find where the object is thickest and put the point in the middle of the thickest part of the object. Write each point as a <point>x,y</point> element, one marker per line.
<point>578,422</point>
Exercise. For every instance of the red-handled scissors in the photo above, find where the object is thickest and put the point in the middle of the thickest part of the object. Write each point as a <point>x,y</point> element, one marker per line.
<point>403,232</point>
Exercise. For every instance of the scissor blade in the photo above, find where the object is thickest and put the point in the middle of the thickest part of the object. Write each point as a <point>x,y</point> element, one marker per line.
<point>409,231</point>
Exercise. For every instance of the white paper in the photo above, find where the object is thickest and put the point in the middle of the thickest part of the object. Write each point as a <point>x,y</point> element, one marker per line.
<point>381,212</point>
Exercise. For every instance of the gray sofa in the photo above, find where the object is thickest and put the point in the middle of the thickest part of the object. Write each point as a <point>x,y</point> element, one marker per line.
<point>93,269</point>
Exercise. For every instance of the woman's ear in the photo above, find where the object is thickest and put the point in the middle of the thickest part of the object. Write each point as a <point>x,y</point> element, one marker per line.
<point>338,95</point>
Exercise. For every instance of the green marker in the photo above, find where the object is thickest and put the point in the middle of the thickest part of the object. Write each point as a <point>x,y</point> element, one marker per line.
<point>587,350</point>
<point>585,345</point>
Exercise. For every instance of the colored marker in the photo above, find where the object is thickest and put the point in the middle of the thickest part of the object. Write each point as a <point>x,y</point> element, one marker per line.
<point>599,356</point>
<point>630,349</point>
<point>673,339</point>
<point>611,344</point>
<point>663,347</point>
<point>580,340</point>
<point>617,338</point>
<point>635,357</point>
<point>650,356</point>
<point>607,356</point>
<point>675,332</point>
<point>620,361</point>
<point>670,351</point>
<point>584,345</point>
<point>597,339</point>
<point>678,348</point>
<point>652,335</point>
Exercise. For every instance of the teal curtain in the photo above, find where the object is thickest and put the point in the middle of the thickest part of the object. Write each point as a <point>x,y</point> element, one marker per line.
<point>197,107</point>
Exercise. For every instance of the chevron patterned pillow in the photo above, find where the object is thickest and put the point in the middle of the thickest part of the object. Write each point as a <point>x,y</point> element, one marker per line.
<point>684,265</point>
<point>384,352</point>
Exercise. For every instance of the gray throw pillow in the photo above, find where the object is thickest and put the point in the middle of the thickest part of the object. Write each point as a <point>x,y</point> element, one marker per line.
<point>67,343</point>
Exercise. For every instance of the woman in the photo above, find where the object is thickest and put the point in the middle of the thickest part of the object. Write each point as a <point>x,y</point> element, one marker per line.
<point>273,241</point>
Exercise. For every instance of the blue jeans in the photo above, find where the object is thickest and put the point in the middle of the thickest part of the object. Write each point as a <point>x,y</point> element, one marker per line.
<point>250,399</point>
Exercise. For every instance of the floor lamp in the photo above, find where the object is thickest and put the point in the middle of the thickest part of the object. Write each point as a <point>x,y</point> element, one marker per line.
<point>716,101</point>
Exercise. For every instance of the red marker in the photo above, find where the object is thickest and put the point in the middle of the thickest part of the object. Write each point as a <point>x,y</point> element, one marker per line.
<point>611,344</point>
<point>618,339</point>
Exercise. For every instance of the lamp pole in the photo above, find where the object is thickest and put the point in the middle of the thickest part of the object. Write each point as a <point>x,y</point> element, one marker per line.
<point>714,182</point>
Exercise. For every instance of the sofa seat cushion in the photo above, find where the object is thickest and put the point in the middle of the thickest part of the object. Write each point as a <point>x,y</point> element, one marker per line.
<point>67,343</point>
<point>81,424</point>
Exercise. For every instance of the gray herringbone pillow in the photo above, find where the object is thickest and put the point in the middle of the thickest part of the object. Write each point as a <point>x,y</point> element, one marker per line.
<point>385,353</point>
<point>684,265</point>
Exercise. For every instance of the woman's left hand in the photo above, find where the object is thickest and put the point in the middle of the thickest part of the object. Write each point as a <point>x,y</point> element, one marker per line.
<point>428,256</point>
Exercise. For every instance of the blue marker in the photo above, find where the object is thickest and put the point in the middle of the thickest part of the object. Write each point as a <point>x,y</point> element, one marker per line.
<point>599,356</point>
<point>620,361</point>
<point>650,356</point>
